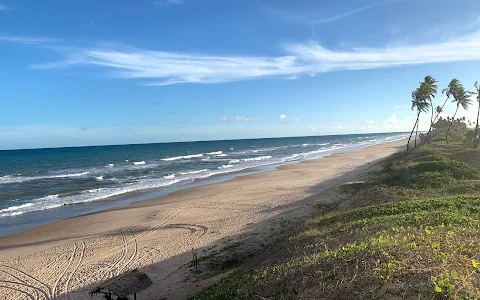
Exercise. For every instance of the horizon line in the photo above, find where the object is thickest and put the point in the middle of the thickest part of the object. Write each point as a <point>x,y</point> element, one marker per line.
<point>198,141</point>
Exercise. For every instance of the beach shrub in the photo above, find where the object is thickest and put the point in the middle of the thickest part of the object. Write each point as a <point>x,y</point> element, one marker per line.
<point>433,170</point>
<point>414,249</point>
<point>456,169</point>
<point>431,157</point>
<point>431,179</point>
<point>471,157</point>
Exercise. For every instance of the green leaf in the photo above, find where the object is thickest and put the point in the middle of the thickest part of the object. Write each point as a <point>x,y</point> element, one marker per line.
<point>438,289</point>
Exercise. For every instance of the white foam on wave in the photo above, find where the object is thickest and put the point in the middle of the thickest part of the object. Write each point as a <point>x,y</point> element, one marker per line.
<point>137,163</point>
<point>9,179</point>
<point>234,161</point>
<point>99,178</point>
<point>94,190</point>
<point>292,157</point>
<point>257,158</point>
<point>182,157</point>
<point>21,209</point>
<point>53,201</point>
<point>214,153</point>
<point>171,176</point>
<point>192,172</point>
<point>67,175</point>
<point>225,167</point>
<point>305,145</point>
<point>222,155</point>
<point>109,166</point>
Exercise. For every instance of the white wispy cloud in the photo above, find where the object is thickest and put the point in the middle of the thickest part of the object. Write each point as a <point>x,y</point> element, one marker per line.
<point>348,13</point>
<point>26,39</point>
<point>322,59</point>
<point>243,119</point>
<point>236,119</point>
<point>283,116</point>
<point>167,2</point>
<point>391,120</point>
<point>3,7</point>
<point>291,78</point>
<point>167,68</point>
<point>307,18</point>
<point>369,122</point>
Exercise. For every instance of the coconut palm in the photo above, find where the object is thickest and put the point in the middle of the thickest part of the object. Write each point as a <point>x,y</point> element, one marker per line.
<point>475,136</point>
<point>430,86</point>
<point>449,91</point>
<point>419,103</point>
<point>461,98</point>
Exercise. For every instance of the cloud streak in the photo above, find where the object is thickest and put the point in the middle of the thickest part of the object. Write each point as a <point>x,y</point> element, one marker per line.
<point>167,2</point>
<point>26,39</point>
<point>307,20</point>
<point>167,68</point>
<point>347,14</point>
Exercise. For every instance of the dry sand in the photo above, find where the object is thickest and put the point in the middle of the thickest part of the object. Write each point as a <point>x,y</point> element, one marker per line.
<point>64,259</point>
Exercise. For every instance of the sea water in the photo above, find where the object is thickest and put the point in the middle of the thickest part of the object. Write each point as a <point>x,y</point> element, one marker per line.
<point>43,185</point>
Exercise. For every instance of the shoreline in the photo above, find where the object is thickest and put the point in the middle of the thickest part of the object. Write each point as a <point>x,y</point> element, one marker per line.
<point>164,230</point>
<point>24,222</point>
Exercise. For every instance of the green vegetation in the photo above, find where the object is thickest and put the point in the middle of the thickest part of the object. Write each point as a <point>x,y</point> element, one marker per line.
<point>411,231</point>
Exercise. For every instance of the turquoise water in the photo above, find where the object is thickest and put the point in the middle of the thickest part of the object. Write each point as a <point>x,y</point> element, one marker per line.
<point>43,185</point>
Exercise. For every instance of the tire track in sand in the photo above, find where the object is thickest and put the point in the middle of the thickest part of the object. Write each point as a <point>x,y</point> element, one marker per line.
<point>68,264</point>
<point>19,291</point>
<point>124,247</point>
<point>124,250</point>
<point>172,216</point>
<point>26,282</point>
<point>80,260</point>
<point>132,257</point>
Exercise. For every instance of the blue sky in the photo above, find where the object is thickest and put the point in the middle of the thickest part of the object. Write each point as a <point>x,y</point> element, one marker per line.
<point>139,71</point>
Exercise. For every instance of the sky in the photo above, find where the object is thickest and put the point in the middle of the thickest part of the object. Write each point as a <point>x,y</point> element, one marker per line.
<point>91,72</point>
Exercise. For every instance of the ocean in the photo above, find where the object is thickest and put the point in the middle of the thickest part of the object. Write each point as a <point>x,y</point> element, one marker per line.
<point>43,185</point>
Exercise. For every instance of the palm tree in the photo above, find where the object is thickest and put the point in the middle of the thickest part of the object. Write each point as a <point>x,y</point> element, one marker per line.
<point>430,86</point>
<point>419,102</point>
<point>475,136</point>
<point>462,98</point>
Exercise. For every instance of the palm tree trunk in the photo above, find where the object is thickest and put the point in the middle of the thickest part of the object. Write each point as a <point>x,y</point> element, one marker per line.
<point>416,131</point>
<point>451,123</point>
<point>411,133</point>
<point>475,139</point>
<point>431,124</point>
<point>441,109</point>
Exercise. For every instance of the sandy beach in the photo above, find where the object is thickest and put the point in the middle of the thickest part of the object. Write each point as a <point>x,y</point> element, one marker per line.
<point>64,259</point>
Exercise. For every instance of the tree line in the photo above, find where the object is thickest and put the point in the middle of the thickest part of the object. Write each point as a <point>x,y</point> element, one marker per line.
<point>422,102</point>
